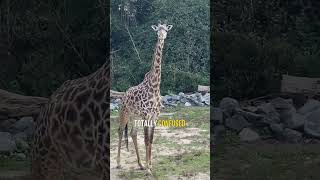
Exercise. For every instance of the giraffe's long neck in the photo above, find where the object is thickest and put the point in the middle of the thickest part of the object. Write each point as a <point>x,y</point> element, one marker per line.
<point>156,66</point>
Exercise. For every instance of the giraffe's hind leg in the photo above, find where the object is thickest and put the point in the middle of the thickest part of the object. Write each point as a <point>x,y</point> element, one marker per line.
<point>47,165</point>
<point>147,144</point>
<point>150,146</point>
<point>122,123</point>
<point>135,142</point>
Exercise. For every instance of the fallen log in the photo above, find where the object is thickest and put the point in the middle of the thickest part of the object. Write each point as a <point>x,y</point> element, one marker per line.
<point>116,94</point>
<point>16,105</point>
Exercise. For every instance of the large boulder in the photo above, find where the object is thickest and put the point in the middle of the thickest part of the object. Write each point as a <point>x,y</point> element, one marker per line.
<point>236,122</point>
<point>6,124</point>
<point>310,106</point>
<point>280,103</point>
<point>296,121</point>
<point>248,135</point>
<point>271,114</point>
<point>292,136</point>
<point>25,124</point>
<point>216,115</point>
<point>7,143</point>
<point>228,106</point>
<point>277,128</point>
<point>312,124</point>
<point>255,119</point>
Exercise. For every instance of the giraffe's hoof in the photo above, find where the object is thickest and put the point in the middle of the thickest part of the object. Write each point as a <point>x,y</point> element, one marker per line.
<point>148,173</point>
<point>118,167</point>
<point>142,167</point>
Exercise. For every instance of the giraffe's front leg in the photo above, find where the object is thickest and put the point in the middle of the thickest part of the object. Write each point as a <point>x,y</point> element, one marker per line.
<point>135,142</point>
<point>120,132</point>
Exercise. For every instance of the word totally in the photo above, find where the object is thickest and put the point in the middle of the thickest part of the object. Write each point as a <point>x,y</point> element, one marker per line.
<point>161,123</point>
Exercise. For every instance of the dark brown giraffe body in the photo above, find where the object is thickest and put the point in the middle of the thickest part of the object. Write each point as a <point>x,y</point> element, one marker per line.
<point>72,130</point>
<point>144,100</point>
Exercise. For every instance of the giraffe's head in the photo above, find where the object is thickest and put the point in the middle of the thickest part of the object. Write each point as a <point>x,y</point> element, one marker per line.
<point>162,30</point>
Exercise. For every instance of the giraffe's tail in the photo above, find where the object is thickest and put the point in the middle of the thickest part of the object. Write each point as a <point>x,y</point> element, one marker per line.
<point>126,136</point>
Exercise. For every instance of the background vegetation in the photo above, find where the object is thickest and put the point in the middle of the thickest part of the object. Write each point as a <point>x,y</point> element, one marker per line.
<point>44,43</point>
<point>186,52</point>
<point>256,41</point>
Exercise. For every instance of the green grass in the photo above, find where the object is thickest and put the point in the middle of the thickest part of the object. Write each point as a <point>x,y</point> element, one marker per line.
<point>187,165</point>
<point>236,161</point>
<point>8,163</point>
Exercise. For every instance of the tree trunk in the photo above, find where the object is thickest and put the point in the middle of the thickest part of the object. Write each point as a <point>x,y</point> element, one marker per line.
<point>15,105</point>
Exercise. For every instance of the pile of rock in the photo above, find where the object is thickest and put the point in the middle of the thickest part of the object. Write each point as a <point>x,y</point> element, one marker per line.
<point>277,119</point>
<point>15,136</point>
<point>193,99</point>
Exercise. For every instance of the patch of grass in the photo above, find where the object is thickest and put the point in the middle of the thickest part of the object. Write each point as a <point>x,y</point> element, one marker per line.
<point>187,164</point>
<point>237,161</point>
<point>198,117</point>
<point>8,163</point>
<point>133,174</point>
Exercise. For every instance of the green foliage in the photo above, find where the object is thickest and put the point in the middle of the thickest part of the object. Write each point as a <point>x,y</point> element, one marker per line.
<point>185,62</point>
<point>255,42</point>
<point>50,42</point>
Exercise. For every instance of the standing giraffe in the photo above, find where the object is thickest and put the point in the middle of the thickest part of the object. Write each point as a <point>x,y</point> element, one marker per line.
<point>72,130</point>
<point>144,100</point>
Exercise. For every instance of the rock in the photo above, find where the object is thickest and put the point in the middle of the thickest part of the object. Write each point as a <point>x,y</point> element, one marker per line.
<point>296,121</point>
<point>248,135</point>
<point>250,116</point>
<point>7,143</point>
<point>187,104</point>
<point>218,132</point>
<point>280,103</point>
<point>292,136</point>
<point>250,109</point>
<point>236,122</point>
<point>228,106</point>
<point>22,145</point>
<point>113,106</point>
<point>6,124</point>
<point>277,128</point>
<point>25,124</point>
<point>272,116</point>
<point>206,99</point>
<point>183,100</point>
<point>181,94</point>
<point>175,97</point>
<point>310,106</point>
<point>216,115</point>
<point>312,124</point>
<point>287,114</point>
<point>168,98</point>
<point>118,101</point>
<point>20,156</point>
<point>21,135</point>
<point>219,129</point>
<point>172,104</point>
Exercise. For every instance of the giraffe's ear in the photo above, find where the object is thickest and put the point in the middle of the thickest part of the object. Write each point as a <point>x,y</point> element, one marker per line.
<point>169,27</point>
<point>154,27</point>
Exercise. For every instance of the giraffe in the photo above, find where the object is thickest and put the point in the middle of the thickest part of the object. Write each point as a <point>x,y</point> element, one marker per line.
<point>144,100</point>
<point>72,129</point>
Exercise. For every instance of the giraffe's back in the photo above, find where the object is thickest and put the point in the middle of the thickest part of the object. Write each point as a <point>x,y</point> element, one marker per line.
<point>72,130</point>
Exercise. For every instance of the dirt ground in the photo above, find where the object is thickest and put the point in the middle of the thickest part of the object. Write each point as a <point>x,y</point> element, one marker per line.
<point>170,146</point>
